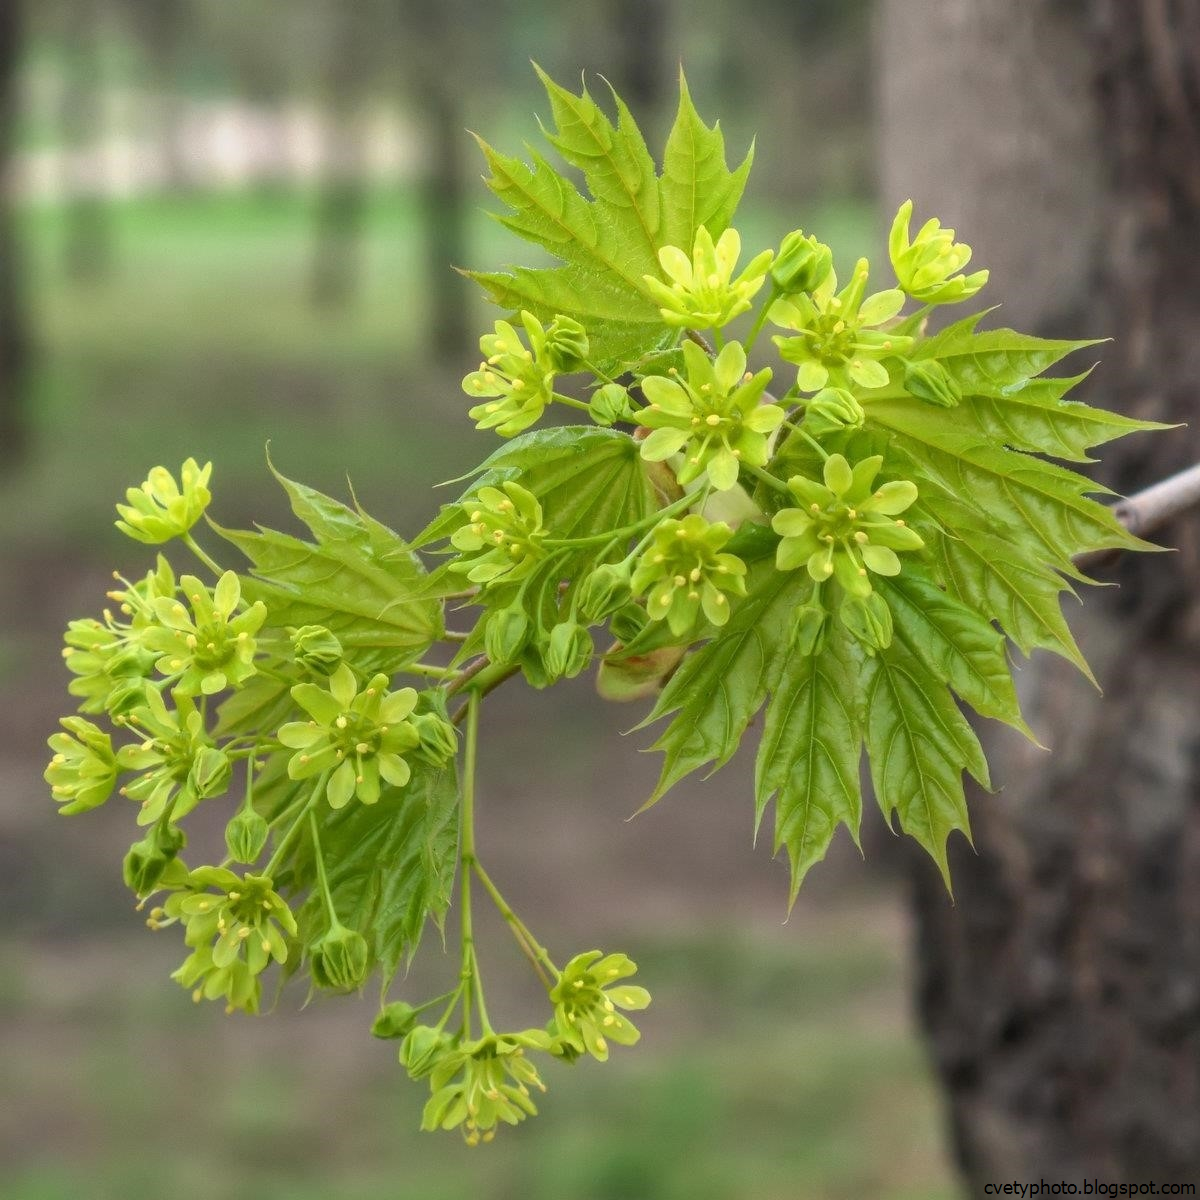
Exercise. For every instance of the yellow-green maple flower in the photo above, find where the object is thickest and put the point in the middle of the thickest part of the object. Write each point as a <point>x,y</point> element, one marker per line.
<point>586,998</point>
<point>682,573</point>
<point>180,765</point>
<point>714,416</point>
<point>844,528</point>
<point>359,735</point>
<point>83,771</point>
<point>235,933</point>
<point>840,340</point>
<point>502,540</point>
<point>476,1084</point>
<point>702,293</point>
<point>207,649</point>
<point>162,509</point>
<point>519,379</point>
<point>928,267</point>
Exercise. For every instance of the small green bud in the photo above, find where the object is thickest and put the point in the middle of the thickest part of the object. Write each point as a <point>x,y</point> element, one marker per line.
<point>566,344</point>
<point>930,381</point>
<point>808,629</point>
<point>505,634</point>
<point>210,772</point>
<point>627,622</point>
<point>604,591</point>
<point>802,264</point>
<point>568,651</point>
<point>610,404</point>
<point>421,1049</point>
<point>834,408</point>
<point>395,1020</point>
<point>126,695</point>
<point>148,859</point>
<point>869,620</point>
<point>246,835</point>
<point>340,960</point>
<point>438,743</point>
<point>315,648</point>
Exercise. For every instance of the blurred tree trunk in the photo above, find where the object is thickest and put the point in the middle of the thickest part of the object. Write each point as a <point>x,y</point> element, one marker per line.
<point>164,27</point>
<point>87,248</point>
<point>645,75</point>
<point>1061,992</point>
<point>438,76</point>
<point>341,197</point>
<point>14,337</point>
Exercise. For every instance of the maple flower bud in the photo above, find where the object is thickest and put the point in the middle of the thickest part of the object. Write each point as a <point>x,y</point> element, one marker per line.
<point>315,648</point>
<point>210,772</point>
<point>148,859</point>
<point>505,634</point>
<point>162,509</point>
<point>869,620</point>
<point>604,591</point>
<point>801,264</point>
<point>928,380</point>
<point>566,344</point>
<point>627,622</point>
<point>834,408</point>
<point>395,1020</point>
<point>421,1049</point>
<point>340,960</point>
<point>610,404</point>
<point>438,743</point>
<point>246,835</point>
<point>568,651</point>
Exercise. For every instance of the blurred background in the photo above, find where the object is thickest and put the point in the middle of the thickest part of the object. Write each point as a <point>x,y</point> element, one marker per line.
<point>225,224</point>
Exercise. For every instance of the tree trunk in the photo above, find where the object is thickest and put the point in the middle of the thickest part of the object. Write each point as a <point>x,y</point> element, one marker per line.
<point>87,247</point>
<point>1061,992</point>
<point>14,337</point>
<point>341,199</point>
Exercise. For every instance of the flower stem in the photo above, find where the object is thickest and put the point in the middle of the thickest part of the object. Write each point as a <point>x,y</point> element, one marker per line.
<point>286,841</point>
<point>322,878</point>
<point>469,969</point>
<point>432,671</point>
<point>766,477</point>
<point>558,398</point>
<point>536,953</point>
<point>195,547</point>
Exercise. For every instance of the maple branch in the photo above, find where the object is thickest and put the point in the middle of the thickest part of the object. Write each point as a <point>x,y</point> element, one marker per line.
<point>1156,505</point>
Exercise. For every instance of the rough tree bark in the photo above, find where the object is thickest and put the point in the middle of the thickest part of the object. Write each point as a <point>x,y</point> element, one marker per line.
<point>14,336</point>
<point>1061,993</point>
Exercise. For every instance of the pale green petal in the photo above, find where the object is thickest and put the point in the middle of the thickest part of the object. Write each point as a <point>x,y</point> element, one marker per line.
<point>341,786</point>
<point>662,443</point>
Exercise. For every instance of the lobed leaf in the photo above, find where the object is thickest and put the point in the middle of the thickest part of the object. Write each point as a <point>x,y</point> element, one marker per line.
<point>719,688</point>
<point>359,579</point>
<point>918,744</point>
<point>607,241</point>
<point>808,758</point>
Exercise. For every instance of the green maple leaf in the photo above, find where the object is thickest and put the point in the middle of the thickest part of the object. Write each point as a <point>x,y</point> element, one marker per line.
<point>358,579</point>
<point>607,240</point>
<point>808,758</point>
